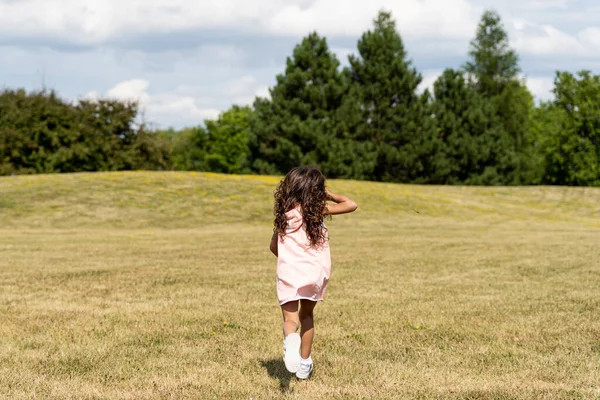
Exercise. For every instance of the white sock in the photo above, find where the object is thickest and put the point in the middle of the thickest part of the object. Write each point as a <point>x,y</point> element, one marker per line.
<point>307,361</point>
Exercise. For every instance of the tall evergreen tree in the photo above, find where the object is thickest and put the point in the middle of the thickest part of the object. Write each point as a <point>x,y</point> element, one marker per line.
<point>384,89</point>
<point>297,124</point>
<point>493,63</point>
<point>463,120</point>
<point>493,73</point>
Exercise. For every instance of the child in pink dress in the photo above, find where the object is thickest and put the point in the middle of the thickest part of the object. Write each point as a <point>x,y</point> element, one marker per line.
<point>301,245</point>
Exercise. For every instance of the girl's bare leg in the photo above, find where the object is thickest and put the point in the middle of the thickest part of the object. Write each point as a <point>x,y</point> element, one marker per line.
<point>291,320</point>
<point>291,341</point>
<point>307,332</point>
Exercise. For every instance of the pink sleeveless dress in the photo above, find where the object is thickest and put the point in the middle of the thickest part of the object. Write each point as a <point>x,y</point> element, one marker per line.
<point>302,271</point>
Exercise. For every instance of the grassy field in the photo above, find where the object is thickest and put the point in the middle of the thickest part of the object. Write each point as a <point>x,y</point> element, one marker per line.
<point>161,285</point>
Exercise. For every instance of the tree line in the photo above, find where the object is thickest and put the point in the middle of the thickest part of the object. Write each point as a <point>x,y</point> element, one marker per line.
<point>478,125</point>
<point>41,133</point>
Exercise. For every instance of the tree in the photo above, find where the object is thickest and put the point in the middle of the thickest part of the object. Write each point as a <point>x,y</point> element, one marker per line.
<point>568,131</point>
<point>493,73</point>
<point>493,63</point>
<point>299,120</point>
<point>227,142</point>
<point>104,134</point>
<point>189,149</point>
<point>463,120</point>
<point>41,133</point>
<point>384,92</point>
<point>33,128</point>
<point>151,151</point>
<point>222,145</point>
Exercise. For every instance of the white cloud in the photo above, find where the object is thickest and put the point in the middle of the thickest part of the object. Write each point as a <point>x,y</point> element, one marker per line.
<point>429,78</point>
<point>437,18</point>
<point>100,21</point>
<point>91,96</point>
<point>415,18</point>
<point>174,88</point>
<point>538,5</point>
<point>193,58</point>
<point>524,5</point>
<point>263,92</point>
<point>173,106</point>
<point>240,86</point>
<point>221,52</point>
<point>591,38</point>
<point>134,90</point>
<point>545,4</point>
<point>545,40</point>
<point>541,87</point>
<point>342,54</point>
<point>160,106</point>
<point>244,90</point>
<point>183,105</point>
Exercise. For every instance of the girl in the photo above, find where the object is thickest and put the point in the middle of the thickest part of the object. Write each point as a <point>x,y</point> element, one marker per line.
<point>301,245</point>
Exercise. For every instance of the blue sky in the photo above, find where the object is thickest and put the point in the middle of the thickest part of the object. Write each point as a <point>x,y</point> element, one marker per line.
<point>187,60</point>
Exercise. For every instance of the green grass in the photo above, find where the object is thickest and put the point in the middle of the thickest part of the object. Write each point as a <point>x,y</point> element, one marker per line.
<point>160,285</point>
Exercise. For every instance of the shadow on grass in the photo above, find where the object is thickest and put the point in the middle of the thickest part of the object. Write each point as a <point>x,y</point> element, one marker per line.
<point>276,369</point>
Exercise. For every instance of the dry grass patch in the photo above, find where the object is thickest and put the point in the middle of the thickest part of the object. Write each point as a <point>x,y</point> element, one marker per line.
<point>160,285</point>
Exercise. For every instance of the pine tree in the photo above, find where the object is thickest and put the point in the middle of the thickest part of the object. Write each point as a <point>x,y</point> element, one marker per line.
<point>463,120</point>
<point>298,123</point>
<point>493,63</point>
<point>384,89</point>
<point>493,73</point>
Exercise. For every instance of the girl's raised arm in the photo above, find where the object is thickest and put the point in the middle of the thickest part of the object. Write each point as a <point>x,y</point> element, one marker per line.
<point>343,205</point>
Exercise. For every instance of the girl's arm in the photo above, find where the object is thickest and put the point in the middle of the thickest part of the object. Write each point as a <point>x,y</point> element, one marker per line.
<point>273,245</point>
<point>342,204</point>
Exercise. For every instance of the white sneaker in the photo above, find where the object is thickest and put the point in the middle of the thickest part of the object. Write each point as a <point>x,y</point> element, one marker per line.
<point>291,352</point>
<point>306,367</point>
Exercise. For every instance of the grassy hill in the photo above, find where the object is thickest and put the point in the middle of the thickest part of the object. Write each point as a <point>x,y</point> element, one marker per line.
<point>160,285</point>
<point>192,200</point>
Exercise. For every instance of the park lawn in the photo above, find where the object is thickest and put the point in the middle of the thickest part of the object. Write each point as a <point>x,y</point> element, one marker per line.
<point>148,285</point>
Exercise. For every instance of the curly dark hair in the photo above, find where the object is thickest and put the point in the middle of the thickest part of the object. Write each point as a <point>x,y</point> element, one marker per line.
<point>304,186</point>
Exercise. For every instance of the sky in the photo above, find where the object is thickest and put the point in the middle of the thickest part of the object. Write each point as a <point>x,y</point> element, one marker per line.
<point>188,60</point>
